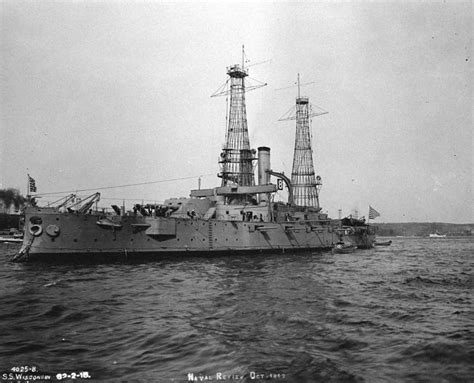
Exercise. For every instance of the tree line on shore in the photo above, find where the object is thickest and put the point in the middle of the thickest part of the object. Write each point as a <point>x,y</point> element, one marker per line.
<point>424,229</point>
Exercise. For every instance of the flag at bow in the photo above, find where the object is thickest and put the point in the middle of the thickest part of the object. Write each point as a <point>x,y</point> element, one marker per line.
<point>31,185</point>
<point>373,213</point>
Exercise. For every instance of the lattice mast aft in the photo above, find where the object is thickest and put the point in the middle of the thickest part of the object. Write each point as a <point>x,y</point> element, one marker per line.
<point>305,183</point>
<point>237,157</point>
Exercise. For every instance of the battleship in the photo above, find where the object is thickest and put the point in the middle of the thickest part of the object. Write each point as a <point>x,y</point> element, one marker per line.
<point>240,216</point>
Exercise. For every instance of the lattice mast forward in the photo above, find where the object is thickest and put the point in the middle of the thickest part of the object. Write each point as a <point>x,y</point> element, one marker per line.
<point>237,157</point>
<point>305,183</point>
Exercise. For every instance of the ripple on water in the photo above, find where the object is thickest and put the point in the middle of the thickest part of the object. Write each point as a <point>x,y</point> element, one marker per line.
<point>401,314</point>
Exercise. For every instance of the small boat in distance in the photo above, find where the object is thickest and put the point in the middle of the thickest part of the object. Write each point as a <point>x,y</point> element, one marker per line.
<point>436,235</point>
<point>382,243</point>
<point>12,237</point>
<point>342,247</point>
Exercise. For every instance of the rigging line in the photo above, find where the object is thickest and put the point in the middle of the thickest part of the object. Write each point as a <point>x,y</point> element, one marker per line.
<point>295,85</point>
<point>129,199</point>
<point>260,82</point>
<point>118,186</point>
<point>223,89</point>
<point>113,199</point>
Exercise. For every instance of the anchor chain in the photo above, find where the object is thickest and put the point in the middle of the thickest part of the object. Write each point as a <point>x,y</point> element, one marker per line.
<point>24,251</point>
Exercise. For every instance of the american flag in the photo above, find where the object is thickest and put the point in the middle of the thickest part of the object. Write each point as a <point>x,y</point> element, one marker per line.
<point>373,213</point>
<point>31,185</point>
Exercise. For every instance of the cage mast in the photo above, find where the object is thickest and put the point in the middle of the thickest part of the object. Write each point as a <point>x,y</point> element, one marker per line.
<point>237,158</point>
<point>305,183</point>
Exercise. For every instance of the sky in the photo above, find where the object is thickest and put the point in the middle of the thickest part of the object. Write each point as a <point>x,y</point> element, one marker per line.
<point>97,94</point>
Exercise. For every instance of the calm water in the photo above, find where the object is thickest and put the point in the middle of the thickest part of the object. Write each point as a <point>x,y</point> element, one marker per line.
<point>396,314</point>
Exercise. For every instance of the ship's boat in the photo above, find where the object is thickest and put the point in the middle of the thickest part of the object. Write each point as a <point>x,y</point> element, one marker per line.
<point>12,236</point>
<point>342,247</point>
<point>382,243</point>
<point>437,235</point>
<point>15,238</point>
<point>237,217</point>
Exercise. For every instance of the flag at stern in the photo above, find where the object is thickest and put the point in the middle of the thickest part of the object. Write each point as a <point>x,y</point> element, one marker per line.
<point>373,213</point>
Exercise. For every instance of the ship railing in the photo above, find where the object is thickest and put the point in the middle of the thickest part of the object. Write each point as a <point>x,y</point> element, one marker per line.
<point>311,222</point>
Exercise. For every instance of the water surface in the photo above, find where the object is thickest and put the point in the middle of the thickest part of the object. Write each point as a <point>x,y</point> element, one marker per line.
<point>390,314</point>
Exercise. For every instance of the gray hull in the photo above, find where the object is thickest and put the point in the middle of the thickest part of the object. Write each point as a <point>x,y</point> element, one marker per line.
<point>50,233</point>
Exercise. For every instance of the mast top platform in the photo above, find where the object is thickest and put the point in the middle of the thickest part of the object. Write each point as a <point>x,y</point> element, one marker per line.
<point>237,71</point>
<point>302,100</point>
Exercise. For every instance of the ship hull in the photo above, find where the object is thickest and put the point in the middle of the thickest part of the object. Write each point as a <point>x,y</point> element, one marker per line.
<point>50,234</point>
<point>359,233</point>
<point>363,240</point>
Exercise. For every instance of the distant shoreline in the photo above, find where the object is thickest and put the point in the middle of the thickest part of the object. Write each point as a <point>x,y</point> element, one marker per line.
<point>424,229</point>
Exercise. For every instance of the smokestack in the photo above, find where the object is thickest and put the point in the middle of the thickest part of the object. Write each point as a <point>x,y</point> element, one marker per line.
<point>263,165</point>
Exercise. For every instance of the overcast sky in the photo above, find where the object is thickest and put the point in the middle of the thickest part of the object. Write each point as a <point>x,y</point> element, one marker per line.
<point>97,94</point>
